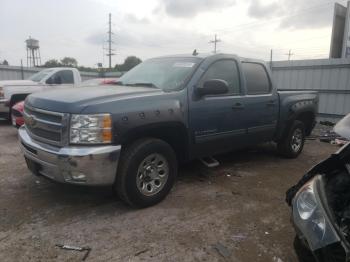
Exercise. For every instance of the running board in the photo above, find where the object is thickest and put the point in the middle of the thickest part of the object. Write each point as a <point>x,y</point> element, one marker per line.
<point>209,162</point>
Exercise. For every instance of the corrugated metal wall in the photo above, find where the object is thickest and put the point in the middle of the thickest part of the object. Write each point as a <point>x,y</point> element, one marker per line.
<point>330,77</point>
<point>15,73</point>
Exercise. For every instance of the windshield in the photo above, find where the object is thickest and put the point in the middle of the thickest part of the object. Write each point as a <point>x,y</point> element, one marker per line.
<point>342,128</point>
<point>40,75</point>
<point>164,73</point>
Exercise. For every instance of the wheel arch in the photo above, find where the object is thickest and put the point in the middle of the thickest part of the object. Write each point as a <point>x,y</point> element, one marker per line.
<point>173,133</point>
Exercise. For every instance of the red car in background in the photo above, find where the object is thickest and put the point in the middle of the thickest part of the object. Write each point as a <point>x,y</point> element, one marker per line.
<point>17,109</point>
<point>17,114</point>
<point>100,81</point>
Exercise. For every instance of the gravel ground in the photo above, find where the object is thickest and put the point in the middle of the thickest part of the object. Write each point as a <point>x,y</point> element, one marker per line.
<point>237,207</point>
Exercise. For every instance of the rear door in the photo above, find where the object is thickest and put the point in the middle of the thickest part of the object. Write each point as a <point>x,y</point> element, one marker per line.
<point>261,102</point>
<point>216,120</point>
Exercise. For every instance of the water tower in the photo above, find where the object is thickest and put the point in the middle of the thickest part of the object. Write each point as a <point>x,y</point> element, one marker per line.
<point>33,52</point>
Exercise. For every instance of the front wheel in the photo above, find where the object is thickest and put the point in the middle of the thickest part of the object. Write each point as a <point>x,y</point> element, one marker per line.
<point>293,141</point>
<point>147,172</point>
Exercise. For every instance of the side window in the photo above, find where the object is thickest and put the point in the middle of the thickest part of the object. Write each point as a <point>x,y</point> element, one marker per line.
<point>225,70</point>
<point>257,80</point>
<point>66,77</point>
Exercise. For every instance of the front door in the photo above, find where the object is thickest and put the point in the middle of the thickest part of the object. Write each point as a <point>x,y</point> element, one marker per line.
<point>217,120</point>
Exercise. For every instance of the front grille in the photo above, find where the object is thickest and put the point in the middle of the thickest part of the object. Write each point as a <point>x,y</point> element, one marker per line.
<point>46,126</point>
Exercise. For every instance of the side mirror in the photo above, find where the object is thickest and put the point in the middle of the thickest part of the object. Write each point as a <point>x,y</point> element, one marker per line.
<point>213,87</point>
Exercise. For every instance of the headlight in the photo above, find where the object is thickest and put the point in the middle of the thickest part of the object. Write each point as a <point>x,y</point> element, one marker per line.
<point>91,129</point>
<point>310,217</point>
<point>306,202</point>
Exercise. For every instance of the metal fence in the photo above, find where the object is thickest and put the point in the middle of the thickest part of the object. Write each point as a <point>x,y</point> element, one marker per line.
<point>330,77</point>
<point>17,73</point>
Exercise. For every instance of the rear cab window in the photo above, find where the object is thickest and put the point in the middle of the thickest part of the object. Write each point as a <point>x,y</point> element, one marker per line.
<point>257,79</point>
<point>66,76</point>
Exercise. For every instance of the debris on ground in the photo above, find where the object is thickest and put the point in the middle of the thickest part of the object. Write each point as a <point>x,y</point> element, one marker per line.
<point>277,259</point>
<point>239,237</point>
<point>74,248</point>
<point>326,123</point>
<point>222,250</point>
<point>340,142</point>
<point>141,252</point>
<point>333,138</point>
<point>3,236</point>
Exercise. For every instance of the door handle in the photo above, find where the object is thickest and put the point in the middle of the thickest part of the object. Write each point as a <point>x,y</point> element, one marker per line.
<point>238,106</point>
<point>271,104</point>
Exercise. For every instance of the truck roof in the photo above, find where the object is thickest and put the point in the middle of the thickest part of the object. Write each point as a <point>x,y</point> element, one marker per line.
<point>206,55</point>
<point>62,68</point>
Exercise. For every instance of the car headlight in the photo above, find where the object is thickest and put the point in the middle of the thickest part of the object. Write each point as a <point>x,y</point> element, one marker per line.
<point>306,202</point>
<point>91,129</point>
<point>310,217</point>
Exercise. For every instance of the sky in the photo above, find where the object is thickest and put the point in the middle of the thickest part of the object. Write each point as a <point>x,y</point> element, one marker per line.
<point>149,28</point>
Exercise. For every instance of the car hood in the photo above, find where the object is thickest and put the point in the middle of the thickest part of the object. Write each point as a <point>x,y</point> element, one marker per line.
<point>17,83</point>
<point>75,100</point>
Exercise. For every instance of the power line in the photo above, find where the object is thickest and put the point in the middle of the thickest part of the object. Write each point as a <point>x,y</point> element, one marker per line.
<point>215,41</point>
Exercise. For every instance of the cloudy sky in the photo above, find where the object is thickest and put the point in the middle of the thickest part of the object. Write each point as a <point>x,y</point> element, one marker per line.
<point>251,28</point>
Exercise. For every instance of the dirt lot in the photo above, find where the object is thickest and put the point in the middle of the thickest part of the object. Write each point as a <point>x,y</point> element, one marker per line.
<point>239,205</point>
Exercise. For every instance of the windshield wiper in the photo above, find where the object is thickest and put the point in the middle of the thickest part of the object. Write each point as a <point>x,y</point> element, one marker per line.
<point>142,84</point>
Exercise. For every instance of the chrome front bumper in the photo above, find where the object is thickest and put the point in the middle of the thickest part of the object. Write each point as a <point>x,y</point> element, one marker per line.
<point>83,165</point>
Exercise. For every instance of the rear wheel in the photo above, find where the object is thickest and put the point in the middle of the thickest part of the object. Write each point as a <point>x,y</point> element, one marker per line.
<point>147,172</point>
<point>292,144</point>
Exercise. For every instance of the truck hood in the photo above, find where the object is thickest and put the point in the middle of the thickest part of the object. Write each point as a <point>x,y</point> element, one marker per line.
<point>75,100</point>
<point>17,83</point>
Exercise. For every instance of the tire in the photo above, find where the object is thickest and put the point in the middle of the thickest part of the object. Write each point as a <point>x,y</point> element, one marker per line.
<point>292,143</point>
<point>147,172</point>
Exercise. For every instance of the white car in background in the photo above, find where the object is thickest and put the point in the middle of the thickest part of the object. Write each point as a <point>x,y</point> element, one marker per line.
<point>14,91</point>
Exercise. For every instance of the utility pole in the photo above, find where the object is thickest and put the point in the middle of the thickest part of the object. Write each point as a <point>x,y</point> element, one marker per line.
<point>271,56</point>
<point>289,55</point>
<point>110,41</point>
<point>215,41</point>
<point>22,73</point>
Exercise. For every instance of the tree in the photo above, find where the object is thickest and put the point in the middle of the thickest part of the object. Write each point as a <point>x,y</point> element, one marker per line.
<point>129,62</point>
<point>52,63</point>
<point>5,62</point>
<point>69,61</point>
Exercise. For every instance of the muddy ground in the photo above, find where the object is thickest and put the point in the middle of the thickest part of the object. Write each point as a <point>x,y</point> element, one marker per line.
<point>239,205</point>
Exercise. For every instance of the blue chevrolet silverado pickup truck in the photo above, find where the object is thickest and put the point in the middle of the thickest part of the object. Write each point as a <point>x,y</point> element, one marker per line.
<point>164,111</point>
